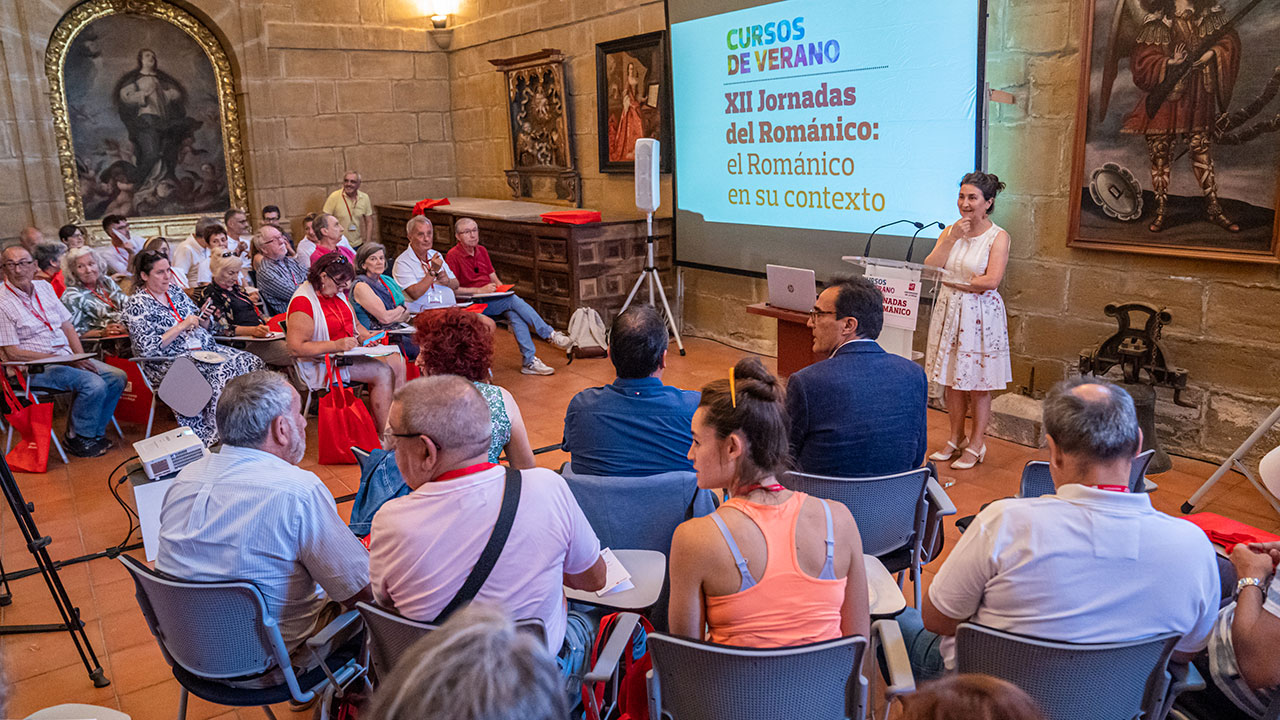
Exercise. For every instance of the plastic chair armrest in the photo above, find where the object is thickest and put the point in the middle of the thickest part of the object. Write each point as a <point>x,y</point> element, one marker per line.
<point>938,499</point>
<point>611,655</point>
<point>900,680</point>
<point>347,624</point>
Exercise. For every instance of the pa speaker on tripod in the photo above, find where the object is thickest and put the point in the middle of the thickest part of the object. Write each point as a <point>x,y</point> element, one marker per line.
<point>648,198</point>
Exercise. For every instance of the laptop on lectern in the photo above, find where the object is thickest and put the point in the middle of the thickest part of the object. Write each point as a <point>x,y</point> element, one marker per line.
<point>791,288</point>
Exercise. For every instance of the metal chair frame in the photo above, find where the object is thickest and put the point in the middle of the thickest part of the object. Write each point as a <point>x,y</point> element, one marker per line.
<point>1036,480</point>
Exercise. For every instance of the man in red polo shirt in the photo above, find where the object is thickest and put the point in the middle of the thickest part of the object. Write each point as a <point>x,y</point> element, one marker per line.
<point>476,276</point>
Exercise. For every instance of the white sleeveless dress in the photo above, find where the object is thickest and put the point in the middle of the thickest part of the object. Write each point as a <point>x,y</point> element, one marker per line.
<point>969,332</point>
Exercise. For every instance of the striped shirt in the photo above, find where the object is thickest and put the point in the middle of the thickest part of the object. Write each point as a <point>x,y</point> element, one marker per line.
<point>244,514</point>
<point>1222,656</point>
<point>33,322</point>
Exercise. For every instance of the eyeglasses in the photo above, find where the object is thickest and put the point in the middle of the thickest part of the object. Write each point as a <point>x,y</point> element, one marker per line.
<point>18,263</point>
<point>391,444</point>
<point>815,313</point>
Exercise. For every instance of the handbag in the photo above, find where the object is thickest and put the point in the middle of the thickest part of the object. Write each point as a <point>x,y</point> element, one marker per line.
<point>34,423</point>
<point>344,421</point>
<point>135,402</point>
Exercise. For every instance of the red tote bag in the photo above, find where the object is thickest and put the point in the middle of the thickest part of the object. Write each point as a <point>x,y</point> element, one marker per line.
<point>34,422</point>
<point>344,421</point>
<point>135,402</point>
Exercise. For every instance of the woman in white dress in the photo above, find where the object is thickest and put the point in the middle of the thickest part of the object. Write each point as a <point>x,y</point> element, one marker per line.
<point>969,334</point>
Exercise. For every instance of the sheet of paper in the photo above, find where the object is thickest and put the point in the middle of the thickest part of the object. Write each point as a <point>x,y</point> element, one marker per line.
<point>372,351</point>
<point>617,579</point>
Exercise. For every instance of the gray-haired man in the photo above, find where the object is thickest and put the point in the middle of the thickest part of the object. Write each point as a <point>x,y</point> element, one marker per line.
<point>249,513</point>
<point>1089,564</point>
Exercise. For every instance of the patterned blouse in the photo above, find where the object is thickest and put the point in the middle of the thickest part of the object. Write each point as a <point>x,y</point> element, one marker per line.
<point>92,310</point>
<point>231,308</point>
<point>501,423</point>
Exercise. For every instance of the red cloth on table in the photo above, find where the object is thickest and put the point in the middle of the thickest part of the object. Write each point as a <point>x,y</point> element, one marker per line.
<point>427,203</point>
<point>571,217</point>
<point>336,314</point>
<point>1227,532</point>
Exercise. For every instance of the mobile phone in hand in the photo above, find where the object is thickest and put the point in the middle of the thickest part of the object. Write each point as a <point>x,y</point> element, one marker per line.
<point>374,339</point>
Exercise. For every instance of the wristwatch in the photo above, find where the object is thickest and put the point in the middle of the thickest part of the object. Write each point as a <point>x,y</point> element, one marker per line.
<point>1245,582</point>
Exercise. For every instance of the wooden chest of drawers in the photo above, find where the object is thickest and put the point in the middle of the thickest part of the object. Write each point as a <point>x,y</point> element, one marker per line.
<point>556,268</point>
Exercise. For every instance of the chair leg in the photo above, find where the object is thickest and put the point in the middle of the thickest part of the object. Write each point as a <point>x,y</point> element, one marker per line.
<point>151,416</point>
<point>267,709</point>
<point>116,424</point>
<point>915,583</point>
<point>53,434</point>
<point>182,704</point>
<point>306,406</point>
<point>8,440</point>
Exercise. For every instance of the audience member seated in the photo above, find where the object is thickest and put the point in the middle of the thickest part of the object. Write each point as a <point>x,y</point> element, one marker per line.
<point>122,245</point>
<point>239,234</point>
<point>770,567</point>
<point>425,544</point>
<point>324,296</point>
<point>48,257</point>
<point>30,237</point>
<point>379,301</point>
<point>34,325</point>
<point>249,513</point>
<point>191,258</point>
<point>476,276</point>
<point>278,275</point>
<point>636,426</point>
<point>271,216</point>
<point>307,245</point>
<point>457,342</point>
<point>164,322</point>
<point>235,314</point>
<point>1092,563</point>
<point>95,301</point>
<point>969,697</point>
<point>421,271</point>
<point>861,411</point>
<point>164,247</point>
<point>329,238</point>
<point>476,666</point>
<point>71,236</point>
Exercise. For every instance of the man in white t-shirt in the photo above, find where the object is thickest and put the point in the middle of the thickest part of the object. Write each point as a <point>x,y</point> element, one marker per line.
<point>239,234</point>
<point>123,244</point>
<point>191,256</point>
<point>425,544</point>
<point>421,271</point>
<point>1090,564</point>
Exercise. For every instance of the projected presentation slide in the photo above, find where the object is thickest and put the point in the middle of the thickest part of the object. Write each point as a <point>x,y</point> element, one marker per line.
<point>818,115</point>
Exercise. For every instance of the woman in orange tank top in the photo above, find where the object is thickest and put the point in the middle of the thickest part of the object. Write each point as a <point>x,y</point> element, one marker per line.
<point>771,567</point>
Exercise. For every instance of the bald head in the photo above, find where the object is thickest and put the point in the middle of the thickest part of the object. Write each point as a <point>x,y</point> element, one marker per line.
<point>1092,420</point>
<point>448,409</point>
<point>30,237</point>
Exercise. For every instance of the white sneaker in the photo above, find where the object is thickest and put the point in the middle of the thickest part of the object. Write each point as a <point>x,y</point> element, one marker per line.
<point>537,367</point>
<point>560,340</point>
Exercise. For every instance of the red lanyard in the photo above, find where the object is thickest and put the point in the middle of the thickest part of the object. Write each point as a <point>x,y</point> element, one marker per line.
<point>182,282</point>
<point>104,298</point>
<point>751,488</point>
<point>350,215</point>
<point>461,472</point>
<point>1114,488</point>
<point>384,287</point>
<point>172,307</point>
<point>240,293</point>
<point>42,316</point>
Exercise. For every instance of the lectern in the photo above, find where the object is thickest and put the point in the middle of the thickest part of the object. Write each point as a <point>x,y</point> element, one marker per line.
<point>901,283</point>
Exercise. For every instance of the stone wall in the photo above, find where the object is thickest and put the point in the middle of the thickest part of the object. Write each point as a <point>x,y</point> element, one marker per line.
<point>323,86</point>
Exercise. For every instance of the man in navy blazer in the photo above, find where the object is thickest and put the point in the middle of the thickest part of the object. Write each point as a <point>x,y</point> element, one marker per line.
<point>860,412</point>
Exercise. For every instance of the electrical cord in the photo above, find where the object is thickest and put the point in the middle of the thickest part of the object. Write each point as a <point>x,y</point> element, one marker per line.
<point>728,345</point>
<point>130,514</point>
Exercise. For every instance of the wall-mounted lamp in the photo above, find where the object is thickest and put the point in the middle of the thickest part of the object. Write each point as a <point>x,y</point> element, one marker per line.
<point>440,11</point>
<point>439,22</point>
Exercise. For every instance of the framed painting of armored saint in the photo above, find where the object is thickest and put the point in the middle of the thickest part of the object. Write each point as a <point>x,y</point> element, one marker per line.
<point>145,113</point>
<point>1177,146</point>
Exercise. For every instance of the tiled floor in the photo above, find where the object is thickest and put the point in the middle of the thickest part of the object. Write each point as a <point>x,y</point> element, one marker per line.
<point>74,506</point>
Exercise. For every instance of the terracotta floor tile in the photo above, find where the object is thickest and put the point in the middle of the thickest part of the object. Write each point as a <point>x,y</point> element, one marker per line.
<point>137,667</point>
<point>30,655</point>
<point>62,685</point>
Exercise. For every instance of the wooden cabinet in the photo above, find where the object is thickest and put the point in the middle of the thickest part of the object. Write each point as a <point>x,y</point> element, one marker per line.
<point>556,268</point>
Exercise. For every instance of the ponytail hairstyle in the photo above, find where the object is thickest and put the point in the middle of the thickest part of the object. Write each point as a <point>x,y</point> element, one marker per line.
<point>750,401</point>
<point>988,183</point>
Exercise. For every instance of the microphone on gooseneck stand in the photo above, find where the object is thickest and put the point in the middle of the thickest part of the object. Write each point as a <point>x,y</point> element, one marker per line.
<point>867,252</point>
<point>920,229</point>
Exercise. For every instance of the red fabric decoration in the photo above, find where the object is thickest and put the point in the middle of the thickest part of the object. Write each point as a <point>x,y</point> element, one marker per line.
<point>571,217</point>
<point>427,204</point>
<point>1227,532</point>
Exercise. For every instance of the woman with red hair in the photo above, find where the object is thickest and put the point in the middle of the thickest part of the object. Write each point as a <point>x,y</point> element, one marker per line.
<point>457,342</point>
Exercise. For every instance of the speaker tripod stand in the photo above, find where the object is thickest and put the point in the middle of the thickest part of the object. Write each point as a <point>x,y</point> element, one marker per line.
<point>38,545</point>
<point>650,273</point>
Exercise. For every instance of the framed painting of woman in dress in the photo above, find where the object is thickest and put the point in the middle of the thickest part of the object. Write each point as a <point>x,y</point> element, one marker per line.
<point>145,113</point>
<point>632,100</point>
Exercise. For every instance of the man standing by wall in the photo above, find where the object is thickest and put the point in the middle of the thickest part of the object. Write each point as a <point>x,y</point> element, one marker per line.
<point>353,209</point>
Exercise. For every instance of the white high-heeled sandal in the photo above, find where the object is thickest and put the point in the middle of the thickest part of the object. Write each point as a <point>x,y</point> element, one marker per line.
<point>949,451</point>
<point>978,456</point>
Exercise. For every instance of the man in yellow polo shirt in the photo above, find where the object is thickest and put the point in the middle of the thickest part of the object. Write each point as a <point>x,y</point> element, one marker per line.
<point>353,210</point>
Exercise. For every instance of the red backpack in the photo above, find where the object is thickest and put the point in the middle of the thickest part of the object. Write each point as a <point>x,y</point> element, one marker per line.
<point>633,694</point>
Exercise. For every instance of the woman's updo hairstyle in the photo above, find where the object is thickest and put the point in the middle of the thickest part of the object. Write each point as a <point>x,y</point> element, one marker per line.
<point>987,183</point>
<point>753,404</point>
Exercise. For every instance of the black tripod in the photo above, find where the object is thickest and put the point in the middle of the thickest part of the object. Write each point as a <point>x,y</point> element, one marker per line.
<point>38,545</point>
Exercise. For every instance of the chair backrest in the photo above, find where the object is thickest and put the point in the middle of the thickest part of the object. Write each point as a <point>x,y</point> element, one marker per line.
<point>702,681</point>
<point>1138,472</point>
<point>390,635</point>
<point>1036,480</point>
<point>638,513</point>
<point>889,509</point>
<point>212,629</point>
<point>1105,681</point>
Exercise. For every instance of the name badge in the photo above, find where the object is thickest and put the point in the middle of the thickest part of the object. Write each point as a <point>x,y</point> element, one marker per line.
<point>353,227</point>
<point>193,342</point>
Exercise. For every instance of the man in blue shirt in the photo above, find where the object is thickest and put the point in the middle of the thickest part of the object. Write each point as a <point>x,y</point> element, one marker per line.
<point>636,426</point>
<point>860,412</point>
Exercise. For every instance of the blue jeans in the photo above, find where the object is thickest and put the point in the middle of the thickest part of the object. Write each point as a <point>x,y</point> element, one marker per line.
<point>96,394</point>
<point>522,317</point>
<point>923,646</point>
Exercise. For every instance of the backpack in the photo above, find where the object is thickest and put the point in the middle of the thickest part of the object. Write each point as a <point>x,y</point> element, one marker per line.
<point>587,331</point>
<point>633,692</point>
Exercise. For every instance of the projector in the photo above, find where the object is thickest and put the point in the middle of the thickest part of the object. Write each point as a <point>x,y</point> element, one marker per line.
<point>169,452</point>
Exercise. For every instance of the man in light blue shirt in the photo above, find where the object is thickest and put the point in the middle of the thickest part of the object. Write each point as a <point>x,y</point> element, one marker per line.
<point>249,513</point>
<point>636,426</point>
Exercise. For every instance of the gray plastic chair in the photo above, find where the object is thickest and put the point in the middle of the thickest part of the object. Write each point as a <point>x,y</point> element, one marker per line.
<point>899,516</point>
<point>693,680</point>
<point>213,631</point>
<point>390,635</point>
<point>1069,681</point>
<point>1037,481</point>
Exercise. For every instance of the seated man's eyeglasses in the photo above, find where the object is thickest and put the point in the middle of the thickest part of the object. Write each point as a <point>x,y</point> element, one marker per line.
<point>18,263</point>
